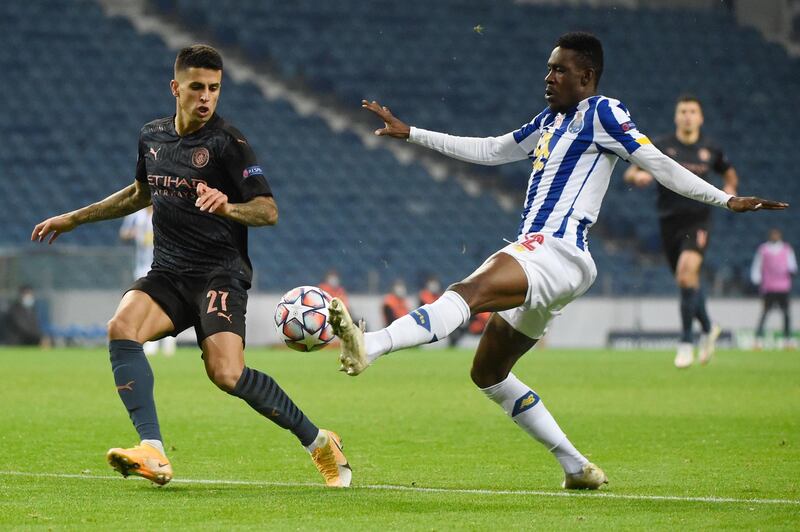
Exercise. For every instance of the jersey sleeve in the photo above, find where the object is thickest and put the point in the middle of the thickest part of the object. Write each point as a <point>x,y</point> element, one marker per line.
<point>616,131</point>
<point>528,135</point>
<point>243,169</point>
<point>141,163</point>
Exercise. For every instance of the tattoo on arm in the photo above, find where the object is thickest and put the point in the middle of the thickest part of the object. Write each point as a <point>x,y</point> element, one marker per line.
<point>121,203</point>
<point>260,210</point>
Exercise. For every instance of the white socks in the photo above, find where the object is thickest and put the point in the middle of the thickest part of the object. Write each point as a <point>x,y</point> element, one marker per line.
<point>156,444</point>
<point>424,325</point>
<point>320,441</point>
<point>527,410</point>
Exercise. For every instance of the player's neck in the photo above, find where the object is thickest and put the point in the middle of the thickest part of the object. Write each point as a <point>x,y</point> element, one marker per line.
<point>687,137</point>
<point>184,126</point>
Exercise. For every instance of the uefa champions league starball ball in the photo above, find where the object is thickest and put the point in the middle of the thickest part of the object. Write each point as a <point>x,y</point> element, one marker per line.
<point>301,318</point>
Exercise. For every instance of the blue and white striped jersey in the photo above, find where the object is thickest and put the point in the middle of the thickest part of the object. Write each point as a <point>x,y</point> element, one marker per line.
<point>573,155</point>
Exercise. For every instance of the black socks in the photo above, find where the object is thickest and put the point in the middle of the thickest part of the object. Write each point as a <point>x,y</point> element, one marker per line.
<point>134,380</point>
<point>263,394</point>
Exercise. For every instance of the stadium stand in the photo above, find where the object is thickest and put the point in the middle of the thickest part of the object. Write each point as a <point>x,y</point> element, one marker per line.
<point>464,66</point>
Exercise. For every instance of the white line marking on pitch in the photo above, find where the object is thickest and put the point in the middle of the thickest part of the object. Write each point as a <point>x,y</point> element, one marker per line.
<point>419,489</point>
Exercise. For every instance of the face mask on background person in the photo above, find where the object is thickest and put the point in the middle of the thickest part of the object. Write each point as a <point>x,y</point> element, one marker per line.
<point>28,300</point>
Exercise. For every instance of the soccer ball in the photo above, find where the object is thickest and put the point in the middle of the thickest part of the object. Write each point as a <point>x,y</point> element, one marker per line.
<point>301,318</point>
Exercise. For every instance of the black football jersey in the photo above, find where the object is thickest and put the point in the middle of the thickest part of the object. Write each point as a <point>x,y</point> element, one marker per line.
<point>701,158</point>
<point>186,240</point>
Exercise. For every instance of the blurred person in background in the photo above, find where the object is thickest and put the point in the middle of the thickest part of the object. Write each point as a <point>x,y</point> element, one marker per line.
<point>772,270</point>
<point>332,284</point>
<point>394,303</point>
<point>685,223</point>
<point>138,228</point>
<point>22,326</point>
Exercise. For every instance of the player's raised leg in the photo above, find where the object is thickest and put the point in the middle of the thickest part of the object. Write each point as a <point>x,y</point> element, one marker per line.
<point>499,284</point>
<point>223,355</point>
<point>138,319</point>
<point>499,349</point>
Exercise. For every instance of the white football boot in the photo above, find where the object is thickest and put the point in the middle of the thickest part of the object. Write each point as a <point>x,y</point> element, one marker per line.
<point>708,344</point>
<point>685,355</point>
<point>354,353</point>
<point>591,477</point>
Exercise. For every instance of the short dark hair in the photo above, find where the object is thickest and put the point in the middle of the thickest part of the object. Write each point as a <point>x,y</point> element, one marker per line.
<point>688,98</point>
<point>198,56</point>
<point>588,47</point>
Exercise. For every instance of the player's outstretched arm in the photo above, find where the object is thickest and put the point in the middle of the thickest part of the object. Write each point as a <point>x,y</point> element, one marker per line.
<point>488,151</point>
<point>751,203</point>
<point>259,211</point>
<point>392,126</point>
<point>680,180</point>
<point>123,202</point>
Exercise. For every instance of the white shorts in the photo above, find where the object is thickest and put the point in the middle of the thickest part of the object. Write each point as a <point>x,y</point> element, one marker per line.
<point>558,272</point>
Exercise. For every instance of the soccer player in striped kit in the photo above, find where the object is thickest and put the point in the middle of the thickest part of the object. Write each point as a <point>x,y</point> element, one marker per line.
<point>573,145</point>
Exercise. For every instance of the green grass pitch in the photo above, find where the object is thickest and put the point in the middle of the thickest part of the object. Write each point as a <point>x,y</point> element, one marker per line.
<point>714,447</point>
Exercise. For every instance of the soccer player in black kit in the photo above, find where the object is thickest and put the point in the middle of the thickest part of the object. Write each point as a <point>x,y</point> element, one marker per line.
<point>685,224</point>
<point>206,188</point>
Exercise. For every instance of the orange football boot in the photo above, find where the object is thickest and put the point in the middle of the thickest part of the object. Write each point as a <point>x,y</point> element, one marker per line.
<point>330,461</point>
<point>142,460</point>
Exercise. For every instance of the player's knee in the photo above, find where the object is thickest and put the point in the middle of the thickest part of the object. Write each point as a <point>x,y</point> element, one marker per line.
<point>225,377</point>
<point>119,328</point>
<point>484,375</point>
<point>472,293</point>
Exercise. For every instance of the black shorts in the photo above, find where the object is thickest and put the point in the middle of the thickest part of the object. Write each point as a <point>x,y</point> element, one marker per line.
<point>209,304</point>
<point>779,299</point>
<point>679,235</point>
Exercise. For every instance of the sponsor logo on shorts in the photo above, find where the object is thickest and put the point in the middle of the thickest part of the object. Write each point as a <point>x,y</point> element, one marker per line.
<point>228,317</point>
<point>252,170</point>
<point>702,238</point>
<point>526,402</point>
<point>200,157</point>
<point>529,242</point>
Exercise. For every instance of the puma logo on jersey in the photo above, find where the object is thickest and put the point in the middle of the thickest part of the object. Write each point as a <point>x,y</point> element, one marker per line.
<point>228,317</point>
<point>128,386</point>
<point>154,153</point>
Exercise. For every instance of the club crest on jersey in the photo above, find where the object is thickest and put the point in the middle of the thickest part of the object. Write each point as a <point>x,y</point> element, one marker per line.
<point>577,123</point>
<point>200,157</point>
<point>526,402</point>
<point>252,170</point>
<point>704,155</point>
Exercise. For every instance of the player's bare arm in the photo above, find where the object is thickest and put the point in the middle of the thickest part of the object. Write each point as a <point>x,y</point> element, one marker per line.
<point>730,181</point>
<point>637,177</point>
<point>123,202</point>
<point>392,126</point>
<point>259,211</point>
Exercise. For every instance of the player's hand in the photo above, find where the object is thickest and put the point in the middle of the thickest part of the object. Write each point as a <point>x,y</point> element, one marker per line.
<point>53,227</point>
<point>211,200</point>
<point>740,204</point>
<point>392,126</point>
<point>641,178</point>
